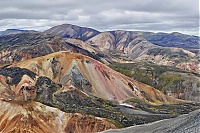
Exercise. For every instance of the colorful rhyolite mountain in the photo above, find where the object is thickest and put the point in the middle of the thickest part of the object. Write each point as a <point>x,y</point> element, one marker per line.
<point>54,79</point>
<point>92,77</point>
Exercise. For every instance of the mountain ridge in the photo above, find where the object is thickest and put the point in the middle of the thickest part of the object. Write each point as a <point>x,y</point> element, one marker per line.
<point>133,47</point>
<point>23,46</point>
<point>160,38</point>
<point>15,31</point>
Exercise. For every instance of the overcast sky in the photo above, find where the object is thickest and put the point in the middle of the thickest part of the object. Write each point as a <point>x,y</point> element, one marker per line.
<point>142,15</point>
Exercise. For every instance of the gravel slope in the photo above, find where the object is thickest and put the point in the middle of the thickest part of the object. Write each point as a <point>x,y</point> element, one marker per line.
<point>189,123</point>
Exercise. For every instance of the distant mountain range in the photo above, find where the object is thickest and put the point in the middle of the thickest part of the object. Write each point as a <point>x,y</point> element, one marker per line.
<point>174,39</point>
<point>14,31</point>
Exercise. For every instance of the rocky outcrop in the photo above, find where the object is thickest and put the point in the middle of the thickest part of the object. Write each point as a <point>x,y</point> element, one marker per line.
<point>20,87</point>
<point>17,84</point>
<point>35,117</point>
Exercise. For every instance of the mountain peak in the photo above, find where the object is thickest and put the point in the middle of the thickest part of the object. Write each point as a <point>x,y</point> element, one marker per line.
<point>73,31</point>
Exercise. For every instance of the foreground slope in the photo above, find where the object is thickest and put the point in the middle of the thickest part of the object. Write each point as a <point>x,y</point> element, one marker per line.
<point>186,123</point>
<point>92,77</point>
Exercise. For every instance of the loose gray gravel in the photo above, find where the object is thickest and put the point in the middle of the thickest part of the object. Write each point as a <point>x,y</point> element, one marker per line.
<point>189,123</point>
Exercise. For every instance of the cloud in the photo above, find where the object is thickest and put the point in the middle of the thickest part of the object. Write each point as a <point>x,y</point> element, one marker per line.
<point>148,15</point>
